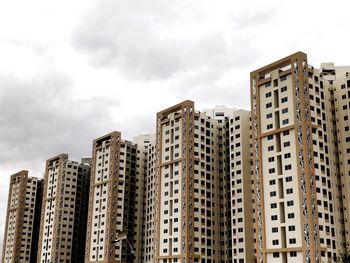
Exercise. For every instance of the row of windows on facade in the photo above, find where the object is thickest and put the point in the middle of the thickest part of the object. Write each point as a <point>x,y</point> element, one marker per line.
<point>291,203</point>
<point>197,260</point>
<point>269,94</point>
<point>275,81</point>
<point>269,104</point>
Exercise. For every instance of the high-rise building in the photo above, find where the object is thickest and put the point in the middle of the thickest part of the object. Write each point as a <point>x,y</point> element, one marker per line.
<point>64,207</point>
<point>146,145</point>
<point>238,182</point>
<point>296,142</point>
<point>236,202</point>
<point>186,188</point>
<point>336,80</point>
<point>116,200</point>
<point>190,177</point>
<point>22,219</point>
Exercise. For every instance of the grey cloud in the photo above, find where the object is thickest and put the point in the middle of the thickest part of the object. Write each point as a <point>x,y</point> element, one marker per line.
<point>40,118</point>
<point>148,40</point>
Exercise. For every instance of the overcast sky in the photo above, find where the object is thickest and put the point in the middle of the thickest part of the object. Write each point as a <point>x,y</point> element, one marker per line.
<point>71,71</point>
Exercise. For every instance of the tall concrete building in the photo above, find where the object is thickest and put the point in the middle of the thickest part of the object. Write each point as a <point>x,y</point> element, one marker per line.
<point>236,202</point>
<point>64,208</point>
<point>116,200</point>
<point>143,206</point>
<point>186,187</point>
<point>194,192</point>
<point>146,144</point>
<point>22,219</point>
<point>299,128</point>
<point>337,81</point>
<point>238,182</point>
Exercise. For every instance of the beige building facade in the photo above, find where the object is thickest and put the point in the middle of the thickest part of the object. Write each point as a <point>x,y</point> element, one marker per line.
<point>197,188</point>
<point>63,219</point>
<point>239,180</point>
<point>299,128</point>
<point>337,81</point>
<point>186,203</point>
<point>116,200</point>
<point>22,219</point>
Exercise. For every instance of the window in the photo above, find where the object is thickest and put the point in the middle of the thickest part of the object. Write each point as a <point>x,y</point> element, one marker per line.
<point>270,148</point>
<point>275,243</point>
<point>289,179</point>
<point>289,190</point>
<point>288,167</point>
<point>285,110</point>
<point>268,94</point>
<point>273,217</point>
<point>285,99</point>
<point>286,121</point>
<point>268,105</point>
<point>271,159</point>
<point>273,205</point>
<point>272,182</point>
<point>287,155</point>
<point>290,203</point>
<point>291,215</point>
<point>293,254</point>
<point>274,229</point>
<point>269,126</point>
<point>292,241</point>
<point>283,89</point>
<point>286,144</point>
<point>269,116</point>
<point>269,137</point>
<point>291,228</point>
<point>285,133</point>
<point>273,193</point>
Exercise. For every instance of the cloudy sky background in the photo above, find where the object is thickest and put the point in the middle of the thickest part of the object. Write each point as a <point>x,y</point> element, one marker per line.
<point>71,71</point>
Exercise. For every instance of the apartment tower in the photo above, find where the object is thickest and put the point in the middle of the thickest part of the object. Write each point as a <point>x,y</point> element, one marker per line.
<point>64,208</point>
<point>337,80</point>
<point>115,203</point>
<point>146,144</point>
<point>187,214</point>
<point>22,219</point>
<point>238,189</point>
<point>236,202</point>
<point>297,213</point>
